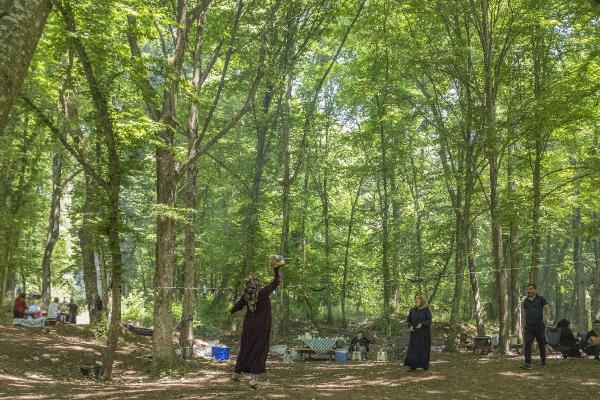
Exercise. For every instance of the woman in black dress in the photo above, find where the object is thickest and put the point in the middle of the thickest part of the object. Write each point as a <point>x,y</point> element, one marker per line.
<point>419,346</point>
<point>256,331</point>
<point>568,341</point>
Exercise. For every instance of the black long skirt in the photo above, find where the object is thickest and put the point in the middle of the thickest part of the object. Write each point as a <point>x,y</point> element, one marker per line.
<point>419,349</point>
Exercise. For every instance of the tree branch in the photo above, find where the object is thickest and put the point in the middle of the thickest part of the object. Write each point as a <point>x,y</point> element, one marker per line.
<point>69,179</point>
<point>196,151</point>
<point>572,180</point>
<point>139,71</point>
<point>87,167</point>
<point>318,88</point>
<point>217,98</point>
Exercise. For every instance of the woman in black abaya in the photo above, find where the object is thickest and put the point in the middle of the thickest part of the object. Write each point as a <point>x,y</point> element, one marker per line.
<point>419,346</point>
<point>256,331</point>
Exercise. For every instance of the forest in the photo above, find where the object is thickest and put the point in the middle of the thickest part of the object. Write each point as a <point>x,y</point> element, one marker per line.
<point>153,153</point>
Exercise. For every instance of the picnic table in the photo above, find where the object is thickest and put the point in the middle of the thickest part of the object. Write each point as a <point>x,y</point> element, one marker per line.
<point>321,347</point>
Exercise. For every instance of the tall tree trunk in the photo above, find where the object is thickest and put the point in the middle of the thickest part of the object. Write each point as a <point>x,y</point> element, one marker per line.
<point>186,334</point>
<point>491,66</point>
<point>326,222</point>
<point>475,292</point>
<point>86,244</point>
<point>535,223</point>
<point>396,253</point>
<point>384,219</point>
<point>251,217</point>
<point>418,216</point>
<point>460,238</point>
<point>53,227</point>
<point>104,121</point>
<point>596,293</point>
<point>167,172</point>
<point>21,25</point>
<point>539,139</point>
<point>285,198</point>
<point>344,288</point>
<point>166,197</point>
<point>305,239</point>
<point>515,295</point>
<point>579,289</point>
<point>15,203</point>
<point>559,313</point>
<point>114,240</point>
<point>515,292</point>
<point>102,276</point>
<point>114,243</point>
<point>545,281</point>
<point>459,269</point>
<point>166,185</point>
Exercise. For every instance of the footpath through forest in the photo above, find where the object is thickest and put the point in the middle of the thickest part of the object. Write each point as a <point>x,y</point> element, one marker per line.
<point>38,364</point>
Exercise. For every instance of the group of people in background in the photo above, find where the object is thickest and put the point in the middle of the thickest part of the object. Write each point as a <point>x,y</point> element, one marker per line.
<point>573,346</point>
<point>64,312</point>
<point>536,313</point>
<point>256,332</point>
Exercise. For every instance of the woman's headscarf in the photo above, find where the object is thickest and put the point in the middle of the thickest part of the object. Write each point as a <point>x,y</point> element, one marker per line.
<point>563,323</point>
<point>252,286</point>
<point>279,260</point>
<point>423,303</point>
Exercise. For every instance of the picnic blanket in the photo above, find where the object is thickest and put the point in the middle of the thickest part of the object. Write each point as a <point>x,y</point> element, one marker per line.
<point>30,322</point>
<point>320,345</point>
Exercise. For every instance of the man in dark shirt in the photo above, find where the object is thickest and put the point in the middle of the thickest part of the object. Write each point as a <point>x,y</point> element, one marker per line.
<point>592,341</point>
<point>536,312</point>
<point>73,311</point>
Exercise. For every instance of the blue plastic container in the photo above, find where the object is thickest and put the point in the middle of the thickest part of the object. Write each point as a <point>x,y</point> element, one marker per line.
<point>341,355</point>
<point>220,353</point>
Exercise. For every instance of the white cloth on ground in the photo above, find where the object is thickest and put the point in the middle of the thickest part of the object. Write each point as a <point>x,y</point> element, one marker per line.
<point>34,323</point>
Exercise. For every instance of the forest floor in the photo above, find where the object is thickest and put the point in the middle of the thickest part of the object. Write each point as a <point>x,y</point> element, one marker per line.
<point>45,364</point>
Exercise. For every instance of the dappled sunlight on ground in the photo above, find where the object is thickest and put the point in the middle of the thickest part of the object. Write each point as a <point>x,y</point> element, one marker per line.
<point>520,375</point>
<point>32,361</point>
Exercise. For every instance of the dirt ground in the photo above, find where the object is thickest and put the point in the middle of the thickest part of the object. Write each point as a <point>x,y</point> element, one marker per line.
<point>37,364</point>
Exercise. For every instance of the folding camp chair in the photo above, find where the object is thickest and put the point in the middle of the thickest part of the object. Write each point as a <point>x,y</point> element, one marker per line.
<point>553,346</point>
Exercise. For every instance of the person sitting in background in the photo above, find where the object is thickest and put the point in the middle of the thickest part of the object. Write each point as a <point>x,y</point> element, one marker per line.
<point>568,340</point>
<point>34,311</point>
<point>64,310</point>
<point>72,311</point>
<point>20,306</point>
<point>53,309</point>
<point>592,341</point>
<point>360,343</point>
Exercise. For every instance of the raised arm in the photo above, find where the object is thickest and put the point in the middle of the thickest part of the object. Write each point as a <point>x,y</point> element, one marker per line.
<point>274,284</point>
<point>238,305</point>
